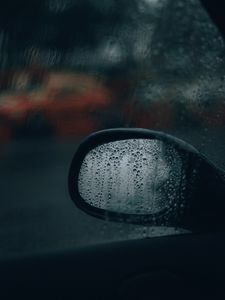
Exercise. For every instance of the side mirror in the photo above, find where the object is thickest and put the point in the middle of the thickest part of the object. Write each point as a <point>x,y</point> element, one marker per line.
<point>147,177</point>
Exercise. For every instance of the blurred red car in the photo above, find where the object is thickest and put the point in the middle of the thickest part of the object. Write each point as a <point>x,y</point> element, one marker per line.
<point>66,104</point>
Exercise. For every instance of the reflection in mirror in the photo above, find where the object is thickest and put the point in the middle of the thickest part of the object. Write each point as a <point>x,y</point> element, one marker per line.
<point>134,176</point>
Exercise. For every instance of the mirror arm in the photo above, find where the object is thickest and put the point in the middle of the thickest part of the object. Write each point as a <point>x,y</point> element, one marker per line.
<point>207,207</point>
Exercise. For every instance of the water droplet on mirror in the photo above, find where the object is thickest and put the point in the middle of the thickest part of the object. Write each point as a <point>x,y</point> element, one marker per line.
<point>136,176</point>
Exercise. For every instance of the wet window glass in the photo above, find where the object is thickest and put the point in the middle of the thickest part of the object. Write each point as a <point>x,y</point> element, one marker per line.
<point>70,68</point>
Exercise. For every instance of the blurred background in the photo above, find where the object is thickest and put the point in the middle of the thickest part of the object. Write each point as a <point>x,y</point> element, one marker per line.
<point>69,68</point>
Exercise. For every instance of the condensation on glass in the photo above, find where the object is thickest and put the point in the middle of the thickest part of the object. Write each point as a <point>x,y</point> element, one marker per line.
<point>136,176</point>
<point>161,61</point>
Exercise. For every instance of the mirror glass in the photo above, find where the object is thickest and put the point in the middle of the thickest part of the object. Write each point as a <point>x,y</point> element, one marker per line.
<point>133,176</point>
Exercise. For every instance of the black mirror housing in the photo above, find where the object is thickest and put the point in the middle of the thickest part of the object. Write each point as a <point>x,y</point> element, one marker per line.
<point>203,197</point>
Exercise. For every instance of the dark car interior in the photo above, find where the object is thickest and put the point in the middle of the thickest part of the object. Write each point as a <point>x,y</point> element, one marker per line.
<point>189,264</point>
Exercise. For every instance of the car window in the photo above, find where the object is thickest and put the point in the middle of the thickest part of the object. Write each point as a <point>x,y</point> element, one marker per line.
<point>156,64</point>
